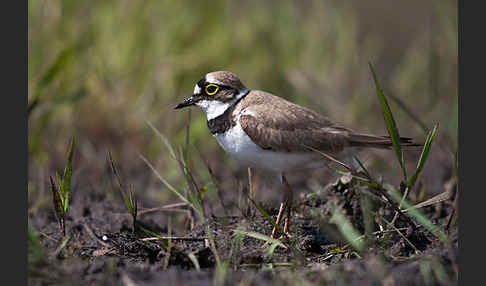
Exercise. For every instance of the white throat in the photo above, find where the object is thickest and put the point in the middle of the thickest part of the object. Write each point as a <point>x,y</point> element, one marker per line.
<point>215,108</point>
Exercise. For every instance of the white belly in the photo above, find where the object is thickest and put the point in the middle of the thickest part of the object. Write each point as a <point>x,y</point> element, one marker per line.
<point>242,149</point>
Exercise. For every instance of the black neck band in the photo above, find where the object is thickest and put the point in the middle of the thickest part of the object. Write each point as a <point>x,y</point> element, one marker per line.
<point>224,122</point>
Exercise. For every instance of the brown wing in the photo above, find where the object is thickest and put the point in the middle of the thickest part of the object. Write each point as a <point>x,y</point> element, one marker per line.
<point>276,124</point>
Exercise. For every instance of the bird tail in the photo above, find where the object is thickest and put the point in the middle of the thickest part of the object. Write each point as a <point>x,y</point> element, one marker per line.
<point>365,140</point>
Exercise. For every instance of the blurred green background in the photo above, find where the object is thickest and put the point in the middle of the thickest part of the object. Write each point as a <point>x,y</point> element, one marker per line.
<point>98,70</point>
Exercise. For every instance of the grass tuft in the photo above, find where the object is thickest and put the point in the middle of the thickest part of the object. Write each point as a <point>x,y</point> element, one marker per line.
<point>194,195</point>
<point>60,193</point>
<point>394,135</point>
<point>417,214</point>
<point>128,196</point>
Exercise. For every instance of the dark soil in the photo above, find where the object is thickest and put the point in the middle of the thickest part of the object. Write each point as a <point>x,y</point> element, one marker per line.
<point>103,248</point>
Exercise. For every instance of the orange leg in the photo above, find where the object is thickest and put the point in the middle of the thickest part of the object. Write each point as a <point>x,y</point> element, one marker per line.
<point>286,205</point>
<point>279,218</point>
<point>289,199</point>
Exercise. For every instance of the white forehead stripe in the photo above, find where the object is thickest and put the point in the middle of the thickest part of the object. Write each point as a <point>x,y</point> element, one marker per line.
<point>211,79</point>
<point>197,89</point>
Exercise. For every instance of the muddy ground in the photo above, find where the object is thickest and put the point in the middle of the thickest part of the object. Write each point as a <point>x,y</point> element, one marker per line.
<point>103,248</point>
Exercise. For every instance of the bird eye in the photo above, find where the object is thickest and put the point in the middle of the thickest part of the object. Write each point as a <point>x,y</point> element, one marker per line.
<point>211,89</point>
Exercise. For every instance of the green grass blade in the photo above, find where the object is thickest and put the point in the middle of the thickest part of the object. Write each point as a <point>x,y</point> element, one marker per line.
<point>237,239</point>
<point>56,67</point>
<point>195,196</point>
<point>36,253</point>
<point>295,251</point>
<point>192,199</point>
<point>133,204</point>
<point>361,165</point>
<point>346,228</point>
<point>128,201</point>
<point>187,172</point>
<point>164,181</point>
<point>164,140</point>
<point>212,246</point>
<point>165,242</point>
<point>266,215</point>
<point>58,205</point>
<point>66,178</point>
<point>56,200</point>
<point>270,250</point>
<point>59,189</point>
<point>62,245</point>
<point>196,204</point>
<point>221,273</point>
<point>423,156</point>
<point>391,126</point>
<point>126,195</point>
<point>194,261</point>
<point>169,246</point>
<point>261,236</point>
<point>186,144</point>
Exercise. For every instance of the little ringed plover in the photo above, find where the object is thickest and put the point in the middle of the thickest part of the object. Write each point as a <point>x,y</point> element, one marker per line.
<point>261,130</point>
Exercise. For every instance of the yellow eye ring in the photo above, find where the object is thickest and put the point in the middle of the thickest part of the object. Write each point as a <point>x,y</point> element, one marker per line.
<point>211,89</point>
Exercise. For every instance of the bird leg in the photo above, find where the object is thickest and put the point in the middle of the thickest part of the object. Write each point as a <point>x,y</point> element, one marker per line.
<point>279,218</point>
<point>286,205</point>
<point>289,198</point>
<point>251,193</point>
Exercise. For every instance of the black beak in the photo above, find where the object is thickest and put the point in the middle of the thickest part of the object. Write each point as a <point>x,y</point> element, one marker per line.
<point>186,102</point>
